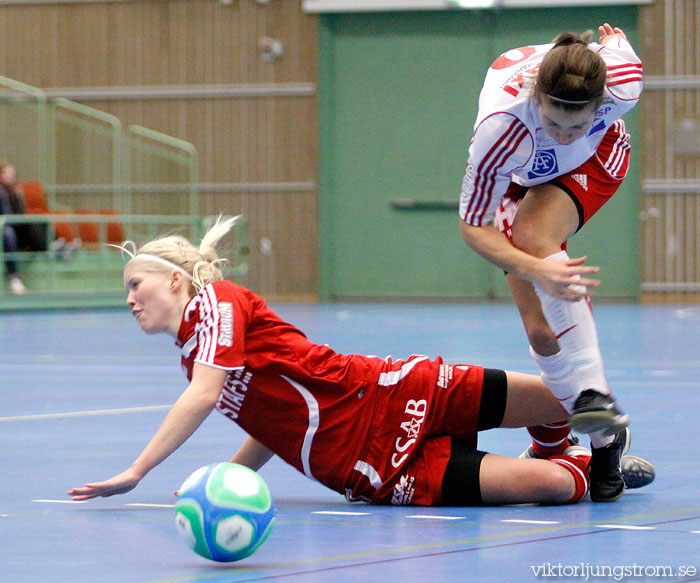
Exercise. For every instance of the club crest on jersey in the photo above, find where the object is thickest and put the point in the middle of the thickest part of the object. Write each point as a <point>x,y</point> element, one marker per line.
<point>544,164</point>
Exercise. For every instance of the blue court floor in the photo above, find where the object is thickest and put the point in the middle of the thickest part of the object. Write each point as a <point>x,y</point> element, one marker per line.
<point>81,393</point>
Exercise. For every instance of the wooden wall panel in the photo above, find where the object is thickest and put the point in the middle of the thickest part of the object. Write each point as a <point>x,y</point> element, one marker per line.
<point>670,239</point>
<point>258,153</point>
<point>155,42</point>
<point>238,140</point>
<point>283,240</point>
<point>257,141</point>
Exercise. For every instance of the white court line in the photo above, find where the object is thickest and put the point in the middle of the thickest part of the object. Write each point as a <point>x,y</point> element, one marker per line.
<point>61,501</point>
<point>437,517</point>
<point>83,502</point>
<point>85,413</point>
<point>338,513</point>
<point>625,527</point>
<point>520,521</point>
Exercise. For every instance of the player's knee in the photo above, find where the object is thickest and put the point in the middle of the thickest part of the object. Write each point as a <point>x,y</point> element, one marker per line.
<point>528,237</point>
<point>558,486</point>
<point>549,484</point>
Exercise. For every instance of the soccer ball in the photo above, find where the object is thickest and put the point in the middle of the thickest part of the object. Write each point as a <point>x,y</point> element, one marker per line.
<point>224,512</point>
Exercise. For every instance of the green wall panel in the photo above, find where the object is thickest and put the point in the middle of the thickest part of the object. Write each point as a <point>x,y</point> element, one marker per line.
<point>398,95</point>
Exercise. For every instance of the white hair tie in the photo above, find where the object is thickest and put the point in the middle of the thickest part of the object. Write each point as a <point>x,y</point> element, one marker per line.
<point>162,261</point>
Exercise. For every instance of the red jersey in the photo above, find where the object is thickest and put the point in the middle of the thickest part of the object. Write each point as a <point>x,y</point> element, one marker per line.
<point>352,422</point>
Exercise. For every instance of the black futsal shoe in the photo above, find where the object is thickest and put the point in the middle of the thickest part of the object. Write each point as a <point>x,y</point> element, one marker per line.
<point>607,483</point>
<point>594,411</point>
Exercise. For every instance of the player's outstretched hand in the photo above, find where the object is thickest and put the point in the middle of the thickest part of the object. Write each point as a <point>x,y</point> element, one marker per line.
<point>119,484</point>
<point>607,32</point>
<point>566,279</point>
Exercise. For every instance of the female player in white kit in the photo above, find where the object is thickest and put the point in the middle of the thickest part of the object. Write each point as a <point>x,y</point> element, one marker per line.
<point>383,431</point>
<point>549,149</point>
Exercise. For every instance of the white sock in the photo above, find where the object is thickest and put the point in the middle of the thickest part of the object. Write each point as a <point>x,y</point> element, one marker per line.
<point>574,327</point>
<point>599,440</point>
<point>558,375</point>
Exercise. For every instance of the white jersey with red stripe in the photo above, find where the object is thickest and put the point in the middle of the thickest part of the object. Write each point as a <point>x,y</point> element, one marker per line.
<point>509,143</point>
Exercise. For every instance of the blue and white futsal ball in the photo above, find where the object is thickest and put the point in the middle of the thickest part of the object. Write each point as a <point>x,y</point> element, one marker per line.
<point>224,512</point>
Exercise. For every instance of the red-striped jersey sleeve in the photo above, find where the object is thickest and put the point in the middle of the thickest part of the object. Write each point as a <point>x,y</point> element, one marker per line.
<point>501,144</point>
<point>615,157</point>
<point>625,71</point>
<point>220,332</point>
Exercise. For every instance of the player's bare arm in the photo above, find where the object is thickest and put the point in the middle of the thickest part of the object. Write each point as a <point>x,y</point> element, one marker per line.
<point>252,454</point>
<point>562,279</point>
<point>187,414</point>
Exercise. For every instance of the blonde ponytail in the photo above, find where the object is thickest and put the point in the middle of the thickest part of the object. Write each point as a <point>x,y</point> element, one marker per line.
<point>201,265</point>
<point>209,268</point>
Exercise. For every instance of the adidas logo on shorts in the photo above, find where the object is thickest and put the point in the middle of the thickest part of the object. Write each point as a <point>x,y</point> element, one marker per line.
<point>582,179</point>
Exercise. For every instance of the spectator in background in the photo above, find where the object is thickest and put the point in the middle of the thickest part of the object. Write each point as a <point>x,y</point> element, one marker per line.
<point>30,236</point>
<point>11,203</point>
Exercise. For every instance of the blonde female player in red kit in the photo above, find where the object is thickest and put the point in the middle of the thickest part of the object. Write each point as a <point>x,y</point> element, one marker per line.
<point>383,431</point>
<point>549,149</point>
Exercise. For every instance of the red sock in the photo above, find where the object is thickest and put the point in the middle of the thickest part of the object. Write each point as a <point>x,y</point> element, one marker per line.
<point>578,468</point>
<point>549,440</point>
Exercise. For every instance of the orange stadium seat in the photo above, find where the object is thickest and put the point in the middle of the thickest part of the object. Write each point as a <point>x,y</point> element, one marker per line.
<point>36,204</point>
<point>115,231</point>
<point>88,232</point>
<point>34,197</point>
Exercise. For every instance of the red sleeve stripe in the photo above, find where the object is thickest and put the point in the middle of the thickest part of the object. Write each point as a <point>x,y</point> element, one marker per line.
<point>208,332</point>
<point>623,81</point>
<point>486,172</point>
<point>637,66</point>
<point>616,160</point>
<point>620,74</point>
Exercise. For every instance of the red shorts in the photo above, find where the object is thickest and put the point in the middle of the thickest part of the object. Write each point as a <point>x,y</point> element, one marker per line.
<point>590,185</point>
<point>422,405</point>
